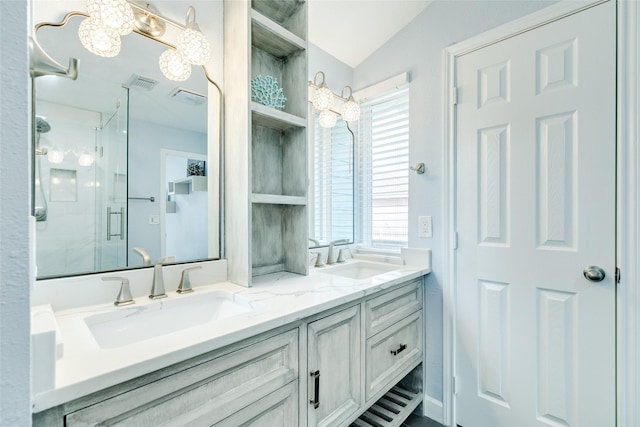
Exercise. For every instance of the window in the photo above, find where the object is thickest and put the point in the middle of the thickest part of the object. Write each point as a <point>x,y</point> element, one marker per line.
<point>383,186</point>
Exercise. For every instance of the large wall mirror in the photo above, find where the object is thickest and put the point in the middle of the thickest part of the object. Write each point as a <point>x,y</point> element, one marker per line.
<point>332,167</point>
<point>127,162</point>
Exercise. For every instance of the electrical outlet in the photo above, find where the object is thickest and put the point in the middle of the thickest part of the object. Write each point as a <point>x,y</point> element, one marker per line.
<point>154,219</point>
<point>425,228</point>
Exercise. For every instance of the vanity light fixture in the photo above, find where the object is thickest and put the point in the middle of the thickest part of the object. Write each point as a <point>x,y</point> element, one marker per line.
<point>55,156</point>
<point>115,14</point>
<point>327,119</point>
<point>85,159</point>
<point>98,38</point>
<point>322,99</point>
<point>174,65</point>
<point>192,43</point>
<point>350,109</point>
<point>109,19</point>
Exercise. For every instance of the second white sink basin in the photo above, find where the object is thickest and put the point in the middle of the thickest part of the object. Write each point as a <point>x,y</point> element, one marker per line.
<point>360,269</point>
<point>128,325</point>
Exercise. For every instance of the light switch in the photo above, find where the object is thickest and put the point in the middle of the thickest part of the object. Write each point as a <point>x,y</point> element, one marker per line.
<point>154,219</point>
<point>425,228</point>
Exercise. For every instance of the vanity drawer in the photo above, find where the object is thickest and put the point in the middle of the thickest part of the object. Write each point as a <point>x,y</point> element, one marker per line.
<point>392,352</point>
<point>278,409</point>
<point>387,309</point>
<point>204,394</point>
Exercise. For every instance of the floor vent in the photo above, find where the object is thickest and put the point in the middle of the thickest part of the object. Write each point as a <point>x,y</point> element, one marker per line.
<point>390,410</point>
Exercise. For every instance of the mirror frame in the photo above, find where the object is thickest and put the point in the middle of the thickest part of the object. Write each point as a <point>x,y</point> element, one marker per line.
<point>51,67</point>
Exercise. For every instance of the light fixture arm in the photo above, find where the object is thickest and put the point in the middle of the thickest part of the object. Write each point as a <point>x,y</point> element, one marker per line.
<point>145,9</point>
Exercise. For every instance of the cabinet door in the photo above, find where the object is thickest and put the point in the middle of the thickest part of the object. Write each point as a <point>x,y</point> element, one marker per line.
<point>334,362</point>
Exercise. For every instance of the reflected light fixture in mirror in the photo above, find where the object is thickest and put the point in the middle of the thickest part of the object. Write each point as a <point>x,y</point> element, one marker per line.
<point>323,99</point>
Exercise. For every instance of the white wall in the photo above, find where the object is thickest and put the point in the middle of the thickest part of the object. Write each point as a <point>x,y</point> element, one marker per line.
<point>145,141</point>
<point>16,276</point>
<point>418,49</point>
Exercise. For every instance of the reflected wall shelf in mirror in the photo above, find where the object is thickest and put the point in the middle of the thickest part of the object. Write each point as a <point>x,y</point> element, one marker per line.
<point>266,165</point>
<point>188,185</point>
<point>109,126</point>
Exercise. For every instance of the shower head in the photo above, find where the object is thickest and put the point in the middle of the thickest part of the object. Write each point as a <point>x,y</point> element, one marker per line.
<point>42,126</point>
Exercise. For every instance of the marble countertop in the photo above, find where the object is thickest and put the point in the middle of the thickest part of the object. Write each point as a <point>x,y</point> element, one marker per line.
<point>279,299</point>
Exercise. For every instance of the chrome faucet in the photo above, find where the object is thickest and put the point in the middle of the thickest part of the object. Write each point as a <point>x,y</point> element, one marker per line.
<point>330,258</point>
<point>157,287</point>
<point>319,262</point>
<point>124,296</point>
<point>146,259</point>
<point>185,283</point>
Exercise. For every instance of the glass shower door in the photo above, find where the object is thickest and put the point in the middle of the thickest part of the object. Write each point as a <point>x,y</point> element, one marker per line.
<point>111,187</point>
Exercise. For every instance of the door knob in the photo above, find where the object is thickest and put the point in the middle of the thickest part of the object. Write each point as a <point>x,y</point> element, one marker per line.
<point>593,273</point>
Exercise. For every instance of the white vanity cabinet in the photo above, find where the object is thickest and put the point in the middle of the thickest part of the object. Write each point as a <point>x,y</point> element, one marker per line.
<point>334,362</point>
<point>358,364</point>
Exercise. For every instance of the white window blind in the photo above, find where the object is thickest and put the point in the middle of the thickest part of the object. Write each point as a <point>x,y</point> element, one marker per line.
<point>384,170</point>
<point>332,183</point>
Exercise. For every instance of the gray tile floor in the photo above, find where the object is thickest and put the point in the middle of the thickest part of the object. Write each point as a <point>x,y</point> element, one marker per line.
<point>417,421</point>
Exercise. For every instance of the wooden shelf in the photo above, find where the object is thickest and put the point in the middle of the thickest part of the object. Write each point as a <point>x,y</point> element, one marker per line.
<point>289,14</point>
<point>272,38</point>
<point>276,199</point>
<point>391,409</point>
<point>275,119</point>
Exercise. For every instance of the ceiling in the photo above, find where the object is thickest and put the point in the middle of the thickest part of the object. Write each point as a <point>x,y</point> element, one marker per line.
<point>351,30</point>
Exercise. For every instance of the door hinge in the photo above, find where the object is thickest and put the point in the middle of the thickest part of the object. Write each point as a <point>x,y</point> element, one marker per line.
<point>453,385</point>
<point>454,95</point>
<point>618,274</point>
<point>455,240</point>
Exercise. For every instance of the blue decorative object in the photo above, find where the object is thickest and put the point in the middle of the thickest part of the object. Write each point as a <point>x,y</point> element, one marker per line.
<point>265,91</point>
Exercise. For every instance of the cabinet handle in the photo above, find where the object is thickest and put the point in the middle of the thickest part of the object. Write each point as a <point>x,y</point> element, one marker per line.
<point>316,389</point>
<point>399,350</point>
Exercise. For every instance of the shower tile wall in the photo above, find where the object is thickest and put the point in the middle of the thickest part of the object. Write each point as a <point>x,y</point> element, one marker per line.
<point>65,240</point>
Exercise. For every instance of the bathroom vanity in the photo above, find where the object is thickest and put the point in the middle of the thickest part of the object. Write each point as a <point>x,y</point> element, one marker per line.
<point>329,349</point>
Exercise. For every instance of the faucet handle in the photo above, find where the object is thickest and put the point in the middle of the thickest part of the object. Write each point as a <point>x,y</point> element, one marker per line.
<point>319,262</point>
<point>185,283</point>
<point>124,296</point>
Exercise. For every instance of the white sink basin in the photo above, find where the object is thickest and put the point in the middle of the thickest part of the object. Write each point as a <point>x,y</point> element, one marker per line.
<point>360,269</point>
<point>128,325</point>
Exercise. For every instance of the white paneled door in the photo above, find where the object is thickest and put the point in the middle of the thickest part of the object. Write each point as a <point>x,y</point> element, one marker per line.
<point>535,126</point>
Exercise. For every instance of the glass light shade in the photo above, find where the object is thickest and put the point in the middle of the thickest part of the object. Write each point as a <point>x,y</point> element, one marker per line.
<point>322,98</point>
<point>327,119</point>
<point>174,65</point>
<point>85,159</point>
<point>99,39</point>
<point>115,14</point>
<point>350,110</point>
<point>55,156</point>
<point>195,46</point>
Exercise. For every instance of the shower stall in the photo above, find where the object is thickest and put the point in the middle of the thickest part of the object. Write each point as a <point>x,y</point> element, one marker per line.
<point>80,200</point>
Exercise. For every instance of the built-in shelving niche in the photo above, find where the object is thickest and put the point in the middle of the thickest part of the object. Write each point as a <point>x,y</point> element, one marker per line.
<point>286,70</point>
<point>276,238</point>
<point>277,163</point>
<point>277,154</point>
<point>288,14</point>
